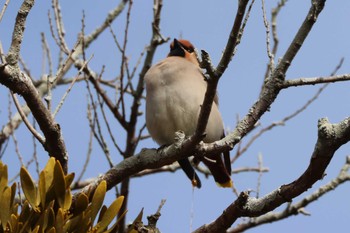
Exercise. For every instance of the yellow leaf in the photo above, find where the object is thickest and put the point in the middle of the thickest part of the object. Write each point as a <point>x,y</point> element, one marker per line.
<point>48,172</point>
<point>81,204</point>
<point>69,179</point>
<point>110,214</point>
<point>3,176</point>
<point>5,210</point>
<point>59,184</point>
<point>13,192</point>
<point>42,189</point>
<point>67,200</point>
<point>115,226</point>
<point>59,223</point>
<point>52,230</point>
<point>29,189</point>
<point>50,218</point>
<point>14,223</point>
<point>102,212</point>
<point>36,229</point>
<point>97,199</point>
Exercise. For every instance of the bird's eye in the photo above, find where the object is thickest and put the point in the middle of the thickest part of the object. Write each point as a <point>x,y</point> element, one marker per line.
<point>189,49</point>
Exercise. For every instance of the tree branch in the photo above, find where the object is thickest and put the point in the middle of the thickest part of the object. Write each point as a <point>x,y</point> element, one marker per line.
<point>18,82</point>
<point>330,138</point>
<point>298,207</point>
<point>315,80</point>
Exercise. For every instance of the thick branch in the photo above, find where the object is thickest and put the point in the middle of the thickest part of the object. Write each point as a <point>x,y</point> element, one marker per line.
<point>216,73</point>
<point>17,35</point>
<point>12,77</point>
<point>330,138</point>
<point>298,207</point>
<point>19,83</point>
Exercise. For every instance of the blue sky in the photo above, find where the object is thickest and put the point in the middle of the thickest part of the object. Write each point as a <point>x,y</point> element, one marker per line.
<point>286,150</point>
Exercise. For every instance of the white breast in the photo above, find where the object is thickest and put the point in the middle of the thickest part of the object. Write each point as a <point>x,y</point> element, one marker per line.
<point>175,91</point>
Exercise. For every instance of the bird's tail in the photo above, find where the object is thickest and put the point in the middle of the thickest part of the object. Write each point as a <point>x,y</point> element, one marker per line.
<point>220,172</point>
<point>190,172</point>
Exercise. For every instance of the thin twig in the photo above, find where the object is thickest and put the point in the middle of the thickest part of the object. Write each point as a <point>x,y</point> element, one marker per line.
<point>123,61</point>
<point>35,155</point>
<point>267,30</point>
<point>315,80</point>
<point>47,52</point>
<point>69,88</point>
<point>95,121</point>
<point>35,133</point>
<point>282,122</point>
<point>4,9</point>
<point>108,126</point>
<point>260,165</point>
<point>59,26</point>
<point>88,156</point>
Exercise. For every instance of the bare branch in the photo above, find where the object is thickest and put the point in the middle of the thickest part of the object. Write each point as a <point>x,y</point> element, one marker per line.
<point>17,36</point>
<point>274,14</point>
<point>35,133</point>
<point>70,88</point>
<point>4,9</point>
<point>315,80</point>
<point>109,19</point>
<point>272,86</point>
<point>330,138</point>
<point>216,73</point>
<point>18,82</point>
<point>343,177</point>
<point>267,29</point>
<point>303,32</point>
<point>59,26</point>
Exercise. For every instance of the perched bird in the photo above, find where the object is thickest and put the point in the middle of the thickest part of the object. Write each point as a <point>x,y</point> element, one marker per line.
<point>175,92</point>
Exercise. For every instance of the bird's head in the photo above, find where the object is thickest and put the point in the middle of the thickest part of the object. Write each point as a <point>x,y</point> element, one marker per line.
<point>183,48</point>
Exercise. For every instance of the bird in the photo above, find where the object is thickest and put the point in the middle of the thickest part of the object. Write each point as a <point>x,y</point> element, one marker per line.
<point>175,89</point>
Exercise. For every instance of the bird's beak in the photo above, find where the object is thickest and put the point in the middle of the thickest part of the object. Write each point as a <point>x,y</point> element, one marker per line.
<point>176,49</point>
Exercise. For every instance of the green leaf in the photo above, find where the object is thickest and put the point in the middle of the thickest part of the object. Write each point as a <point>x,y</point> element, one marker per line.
<point>29,189</point>
<point>110,214</point>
